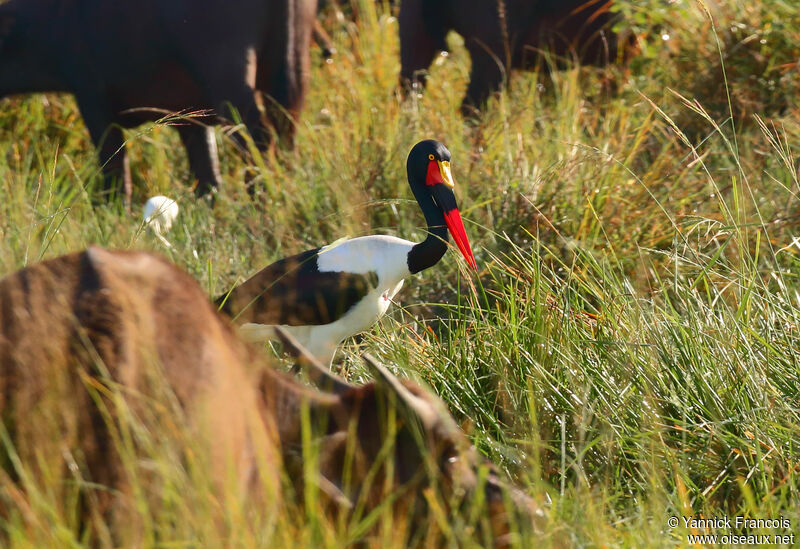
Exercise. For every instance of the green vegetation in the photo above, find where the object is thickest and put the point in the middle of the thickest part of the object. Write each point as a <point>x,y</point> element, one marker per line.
<point>630,346</point>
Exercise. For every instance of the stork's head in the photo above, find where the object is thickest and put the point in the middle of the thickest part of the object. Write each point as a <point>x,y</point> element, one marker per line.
<point>431,180</point>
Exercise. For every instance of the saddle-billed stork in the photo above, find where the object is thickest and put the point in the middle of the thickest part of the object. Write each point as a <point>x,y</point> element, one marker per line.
<point>325,295</point>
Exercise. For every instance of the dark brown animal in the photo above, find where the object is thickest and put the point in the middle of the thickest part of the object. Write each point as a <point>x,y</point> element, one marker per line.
<point>504,34</point>
<point>91,339</point>
<point>447,463</point>
<point>132,62</point>
<point>122,334</point>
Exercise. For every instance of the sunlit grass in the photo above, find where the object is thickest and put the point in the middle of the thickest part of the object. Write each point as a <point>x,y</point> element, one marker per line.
<point>629,347</point>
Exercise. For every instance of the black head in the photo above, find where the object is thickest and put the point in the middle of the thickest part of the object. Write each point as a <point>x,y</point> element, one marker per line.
<point>431,181</point>
<point>421,155</point>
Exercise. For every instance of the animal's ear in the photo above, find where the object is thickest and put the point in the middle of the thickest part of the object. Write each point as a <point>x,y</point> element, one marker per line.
<point>319,374</point>
<point>97,255</point>
<point>409,403</point>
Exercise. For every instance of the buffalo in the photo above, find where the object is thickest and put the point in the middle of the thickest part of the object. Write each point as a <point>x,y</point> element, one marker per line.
<point>131,62</point>
<point>504,35</point>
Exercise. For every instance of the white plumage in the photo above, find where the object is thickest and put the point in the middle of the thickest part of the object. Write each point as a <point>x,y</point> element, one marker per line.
<point>380,254</point>
<point>159,214</point>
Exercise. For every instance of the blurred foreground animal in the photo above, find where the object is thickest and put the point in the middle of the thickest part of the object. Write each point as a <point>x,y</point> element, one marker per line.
<point>328,294</point>
<point>501,36</point>
<point>132,62</point>
<point>97,344</point>
<point>447,458</point>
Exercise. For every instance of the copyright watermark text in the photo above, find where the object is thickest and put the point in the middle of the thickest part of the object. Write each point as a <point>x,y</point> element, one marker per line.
<point>736,530</point>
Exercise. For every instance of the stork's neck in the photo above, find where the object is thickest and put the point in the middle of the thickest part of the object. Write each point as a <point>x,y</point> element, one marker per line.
<point>428,252</point>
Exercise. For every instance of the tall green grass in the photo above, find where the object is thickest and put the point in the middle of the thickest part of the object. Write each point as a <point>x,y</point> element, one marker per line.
<point>629,348</point>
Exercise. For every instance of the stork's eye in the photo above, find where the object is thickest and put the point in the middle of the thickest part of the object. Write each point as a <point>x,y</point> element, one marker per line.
<point>431,157</point>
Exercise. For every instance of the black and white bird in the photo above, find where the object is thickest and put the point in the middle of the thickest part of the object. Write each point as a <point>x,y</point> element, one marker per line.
<point>325,295</point>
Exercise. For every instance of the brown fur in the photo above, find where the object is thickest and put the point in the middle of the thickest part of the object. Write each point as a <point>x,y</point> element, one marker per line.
<point>76,326</point>
<point>128,331</point>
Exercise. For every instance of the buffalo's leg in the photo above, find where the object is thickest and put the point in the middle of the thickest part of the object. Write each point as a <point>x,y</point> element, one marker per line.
<point>242,102</point>
<point>323,41</point>
<point>110,144</point>
<point>284,66</point>
<point>228,77</point>
<point>245,103</point>
<point>486,77</point>
<point>421,37</point>
<point>201,148</point>
<point>283,97</point>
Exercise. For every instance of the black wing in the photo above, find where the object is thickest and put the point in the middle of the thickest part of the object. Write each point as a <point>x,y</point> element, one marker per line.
<point>293,292</point>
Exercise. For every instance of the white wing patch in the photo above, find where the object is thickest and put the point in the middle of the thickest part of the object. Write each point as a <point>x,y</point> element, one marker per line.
<point>385,255</point>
